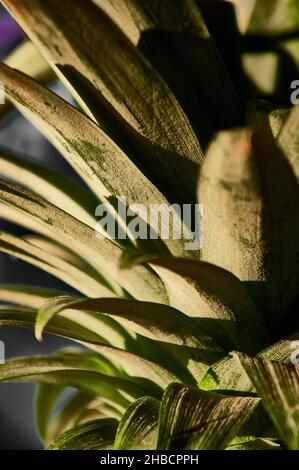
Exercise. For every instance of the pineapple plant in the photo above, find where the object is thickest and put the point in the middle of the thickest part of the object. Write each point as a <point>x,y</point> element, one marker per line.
<point>176,349</point>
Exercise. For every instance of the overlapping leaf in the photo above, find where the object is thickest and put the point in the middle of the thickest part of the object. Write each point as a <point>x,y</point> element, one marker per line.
<point>46,397</point>
<point>76,370</point>
<point>102,254</point>
<point>278,386</point>
<point>27,58</point>
<point>69,415</point>
<point>138,427</point>
<point>227,374</point>
<point>134,365</point>
<point>94,435</point>
<point>60,268</point>
<point>100,162</point>
<point>194,419</point>
<point>157,29</point>
<point>217,300</point>
<point>288,140</point>
<point>136,93</point>
<point>51,185</point>
<point>156,321</point>
<point>251,226</point>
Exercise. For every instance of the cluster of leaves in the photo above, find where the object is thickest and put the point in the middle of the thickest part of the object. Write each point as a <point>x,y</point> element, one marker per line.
<point>179,350</point>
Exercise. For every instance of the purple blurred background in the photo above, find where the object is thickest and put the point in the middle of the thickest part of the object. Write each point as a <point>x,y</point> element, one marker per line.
<point>10,33</point>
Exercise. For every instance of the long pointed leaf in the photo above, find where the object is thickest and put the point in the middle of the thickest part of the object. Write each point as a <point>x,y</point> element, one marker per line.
<point>160,28</point>
<point>251,226</point>
<point>103,254</point>
<point>45,400</point>
<point>136,92</point>
<point>58,267</point>
<point>51,185</point>
<point>26,58</point>
<point>159,322</point>
<point>134,365</point>
<point>71,370</point>
<point>278,385</point>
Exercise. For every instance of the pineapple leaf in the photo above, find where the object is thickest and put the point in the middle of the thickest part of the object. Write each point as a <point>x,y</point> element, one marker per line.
<point>155,321</point>
<point>157,28</point>
<point>160,323</point>
<point>198,420</point>
<point>26,296</point>
<point>25,318</point>
<point>256,444</point>
<point>102,328</point>
<point>69,415</point>
<point>70,307</point>
<point>136,93</point>
<point>26,58</point>
<point>213,296</point>
<point>45,399</point>
<point>227,374</point>
<point>278,386</point>
<point>104,167</point>
<point>97,159</point>
<point>137,366</point>
<point>94,435</point>
<point>247,216</point>
<point>55,265</point>
<point>52,185</point>
<point>134,365</point>
<point>154,326</point>
<point>102,254</point>
<point>76,370</point>
<point>289,142</point>
<point>138,427</point>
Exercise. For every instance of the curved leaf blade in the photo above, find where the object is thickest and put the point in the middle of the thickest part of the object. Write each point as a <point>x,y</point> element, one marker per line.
<point>138,96</point>
<point>138,427</point>
<point>52,185</point>
<point>45,400</point>
<point>94,435</point>
<point>102,254</point>
<point>278,386</point>
<point>214,297</point>
<point>159,28</point>
<point>26,58</point>
<point>58,267</point>
<point>76,370</point>
<point>134,364</point>
<point>198,420</point>
<point>153,320</point>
